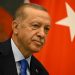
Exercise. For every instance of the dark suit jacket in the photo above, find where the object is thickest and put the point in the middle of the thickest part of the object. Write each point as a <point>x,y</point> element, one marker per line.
<point>8,65</point>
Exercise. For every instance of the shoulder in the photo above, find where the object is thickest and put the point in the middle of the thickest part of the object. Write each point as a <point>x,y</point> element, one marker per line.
<point>5,47</point>
<point>39,66</point>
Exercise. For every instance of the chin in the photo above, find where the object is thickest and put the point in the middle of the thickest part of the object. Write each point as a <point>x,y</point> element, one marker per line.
<point>35,50</point>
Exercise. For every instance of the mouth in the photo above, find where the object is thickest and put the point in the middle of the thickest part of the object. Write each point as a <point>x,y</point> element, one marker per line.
<point>38,43</point>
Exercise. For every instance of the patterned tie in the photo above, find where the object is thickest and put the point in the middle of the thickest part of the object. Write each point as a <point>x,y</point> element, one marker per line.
<point>24,65</point>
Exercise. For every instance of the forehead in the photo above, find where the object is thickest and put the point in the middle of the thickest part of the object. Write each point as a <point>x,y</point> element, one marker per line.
<point>36,12</point>
<point>33,13</point>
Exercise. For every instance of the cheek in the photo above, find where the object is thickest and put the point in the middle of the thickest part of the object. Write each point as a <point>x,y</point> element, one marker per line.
<point>25,36</point>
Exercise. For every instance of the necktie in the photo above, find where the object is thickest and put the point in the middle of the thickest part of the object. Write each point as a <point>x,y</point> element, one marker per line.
<point>24,65</point>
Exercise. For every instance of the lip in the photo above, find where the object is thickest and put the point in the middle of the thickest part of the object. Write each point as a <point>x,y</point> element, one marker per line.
<point>38,43</point>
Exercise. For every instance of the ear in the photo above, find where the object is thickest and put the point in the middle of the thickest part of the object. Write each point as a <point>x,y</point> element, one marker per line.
<point>15,27</point>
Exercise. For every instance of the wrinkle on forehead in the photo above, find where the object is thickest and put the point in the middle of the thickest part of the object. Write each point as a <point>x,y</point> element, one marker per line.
<point>33,11</point>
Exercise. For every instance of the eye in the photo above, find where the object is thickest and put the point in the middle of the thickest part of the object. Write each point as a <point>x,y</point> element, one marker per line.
<point>35,26</point>
<point>47,29</point>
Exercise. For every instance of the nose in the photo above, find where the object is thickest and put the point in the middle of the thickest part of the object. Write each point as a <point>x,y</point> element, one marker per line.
<point>41,33</point>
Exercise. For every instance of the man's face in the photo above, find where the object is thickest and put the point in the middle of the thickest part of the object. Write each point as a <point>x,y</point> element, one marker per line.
<point>33,30</point>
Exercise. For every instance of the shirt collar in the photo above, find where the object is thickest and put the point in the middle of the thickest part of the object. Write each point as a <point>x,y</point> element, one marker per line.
<point>17,54</point>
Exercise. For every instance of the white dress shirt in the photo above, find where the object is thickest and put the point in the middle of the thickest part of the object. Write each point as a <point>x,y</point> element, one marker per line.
<point>18,56</point>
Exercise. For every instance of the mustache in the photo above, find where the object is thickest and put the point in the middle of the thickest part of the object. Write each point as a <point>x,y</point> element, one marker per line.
<point>42,40</point>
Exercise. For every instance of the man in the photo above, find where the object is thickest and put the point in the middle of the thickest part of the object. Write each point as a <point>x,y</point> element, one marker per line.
<point>30,28</point>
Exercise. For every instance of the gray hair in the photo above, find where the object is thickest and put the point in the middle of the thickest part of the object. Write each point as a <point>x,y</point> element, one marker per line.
<point>20,14</point>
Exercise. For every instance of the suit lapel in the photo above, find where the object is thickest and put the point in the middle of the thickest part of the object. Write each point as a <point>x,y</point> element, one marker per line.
<point>10,66</point>
<point>33,67</point>
<point>8,61</point>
